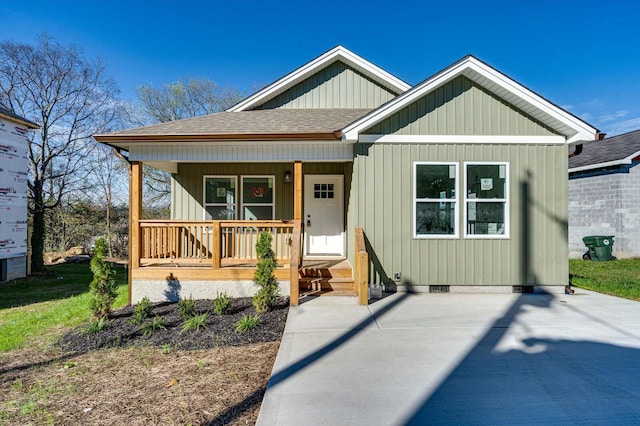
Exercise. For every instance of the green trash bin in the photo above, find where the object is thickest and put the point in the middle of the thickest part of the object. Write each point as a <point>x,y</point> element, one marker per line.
<point>599,248</point>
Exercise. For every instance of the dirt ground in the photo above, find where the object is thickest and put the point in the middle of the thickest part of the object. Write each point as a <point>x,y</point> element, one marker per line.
<point>215,376</point>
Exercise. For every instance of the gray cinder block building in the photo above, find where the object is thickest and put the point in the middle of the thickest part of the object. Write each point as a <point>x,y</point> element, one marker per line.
<point>604,194</point>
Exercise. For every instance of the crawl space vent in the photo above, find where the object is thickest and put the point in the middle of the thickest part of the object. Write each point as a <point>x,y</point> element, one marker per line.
<point>438,289</point>
<point>522,289</point>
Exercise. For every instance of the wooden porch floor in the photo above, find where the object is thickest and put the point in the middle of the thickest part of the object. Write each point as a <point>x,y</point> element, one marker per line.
<point>331,276</point>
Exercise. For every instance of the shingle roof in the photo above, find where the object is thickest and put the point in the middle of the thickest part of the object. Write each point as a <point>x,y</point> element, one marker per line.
<point>257,122</point>
<point>618,148</point>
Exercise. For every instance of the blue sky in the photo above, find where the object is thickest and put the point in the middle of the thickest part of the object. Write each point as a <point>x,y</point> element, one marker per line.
<point>581,55</point>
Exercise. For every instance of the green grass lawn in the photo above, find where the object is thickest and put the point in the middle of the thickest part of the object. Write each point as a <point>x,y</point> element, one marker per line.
<point>618,278</point>
<point>37,306</point>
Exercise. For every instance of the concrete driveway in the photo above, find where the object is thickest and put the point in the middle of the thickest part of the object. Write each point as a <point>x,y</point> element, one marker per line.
<point>458,359</point>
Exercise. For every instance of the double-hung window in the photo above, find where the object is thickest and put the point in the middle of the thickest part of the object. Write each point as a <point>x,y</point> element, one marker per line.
<point>435,200</point>
<point>258,197</point>
<point>486,200</point>
<point>220,193</point>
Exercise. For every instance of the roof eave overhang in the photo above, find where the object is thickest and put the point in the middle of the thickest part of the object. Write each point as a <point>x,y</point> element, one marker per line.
<point>124,141</point>
<point>23,121</point>
<point>566,124</point>
<point>621,162</point>
<point>337,53</point>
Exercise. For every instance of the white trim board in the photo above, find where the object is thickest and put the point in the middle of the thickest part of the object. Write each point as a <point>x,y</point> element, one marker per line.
<point>501,85</point>
<point>464,139</point>
<point>337,53</point>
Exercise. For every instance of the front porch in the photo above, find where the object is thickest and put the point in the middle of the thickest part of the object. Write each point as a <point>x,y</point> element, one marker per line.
<point>171,259</point>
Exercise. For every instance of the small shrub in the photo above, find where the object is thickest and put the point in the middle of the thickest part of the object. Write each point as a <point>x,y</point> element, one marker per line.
<point>104,288</point>
<point>195,323</point>
<point>152,326</point>
<point>142,311</point>
<point>187,308</point>
<point>95,325</point>
<point>264,277</point>
<point>222,304</point>
<point>247,323</point>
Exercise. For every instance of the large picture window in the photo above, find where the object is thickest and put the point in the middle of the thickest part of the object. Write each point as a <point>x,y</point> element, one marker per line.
<point>220,194</point>
<point>258,197</point>
<point>435,200</point>
<point>486,200</point>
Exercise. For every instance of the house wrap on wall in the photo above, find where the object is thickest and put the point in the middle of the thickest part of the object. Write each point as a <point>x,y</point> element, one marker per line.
<point>604,194</point>
<point>456,184</point>
<point>14,175</point>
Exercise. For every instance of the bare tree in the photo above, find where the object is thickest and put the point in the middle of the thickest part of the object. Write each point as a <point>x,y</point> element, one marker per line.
<point>109,178</point>
<point>71,98</point>
<point>185,98</point>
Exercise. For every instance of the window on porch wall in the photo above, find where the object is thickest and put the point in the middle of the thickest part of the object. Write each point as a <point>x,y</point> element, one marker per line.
<point>220,197</point>
<point>258,198</point>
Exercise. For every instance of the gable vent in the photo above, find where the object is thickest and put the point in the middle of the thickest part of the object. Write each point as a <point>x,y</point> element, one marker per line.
<point>438,289</point>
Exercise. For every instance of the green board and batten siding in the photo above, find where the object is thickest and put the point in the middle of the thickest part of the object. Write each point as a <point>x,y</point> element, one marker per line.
<point>460,107</point>
<point>337,86</point>
<point>381,202</point>
<point>381,199</point>
<point>187,184</point>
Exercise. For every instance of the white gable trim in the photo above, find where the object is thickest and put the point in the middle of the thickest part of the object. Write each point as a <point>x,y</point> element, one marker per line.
<point>337,53</point>
<point>572,127</point>
<point>470,139</point>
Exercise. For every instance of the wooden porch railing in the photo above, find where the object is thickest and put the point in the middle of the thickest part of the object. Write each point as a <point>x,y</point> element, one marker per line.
<point>361,268</point>
<point>216,243</point>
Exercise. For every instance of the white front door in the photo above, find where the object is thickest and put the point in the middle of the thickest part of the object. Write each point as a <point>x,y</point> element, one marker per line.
<point>324,215</point>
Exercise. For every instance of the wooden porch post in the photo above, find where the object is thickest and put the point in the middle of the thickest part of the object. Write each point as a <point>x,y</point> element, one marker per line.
<point>294,265</point>
<point>297,190</point>
<point>135,214</point>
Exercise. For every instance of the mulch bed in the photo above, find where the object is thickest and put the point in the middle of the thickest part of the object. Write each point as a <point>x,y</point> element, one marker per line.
<point>220,330</point>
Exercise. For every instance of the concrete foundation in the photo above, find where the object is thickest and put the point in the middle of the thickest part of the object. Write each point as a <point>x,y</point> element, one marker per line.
<point>173,290</point>
<point>478,289</point>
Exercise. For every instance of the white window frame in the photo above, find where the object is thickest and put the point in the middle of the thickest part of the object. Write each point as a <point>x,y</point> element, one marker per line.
<point>456,200</point>
<point>204,195</point>
<point>273,198</point>
<point>505,200</point>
